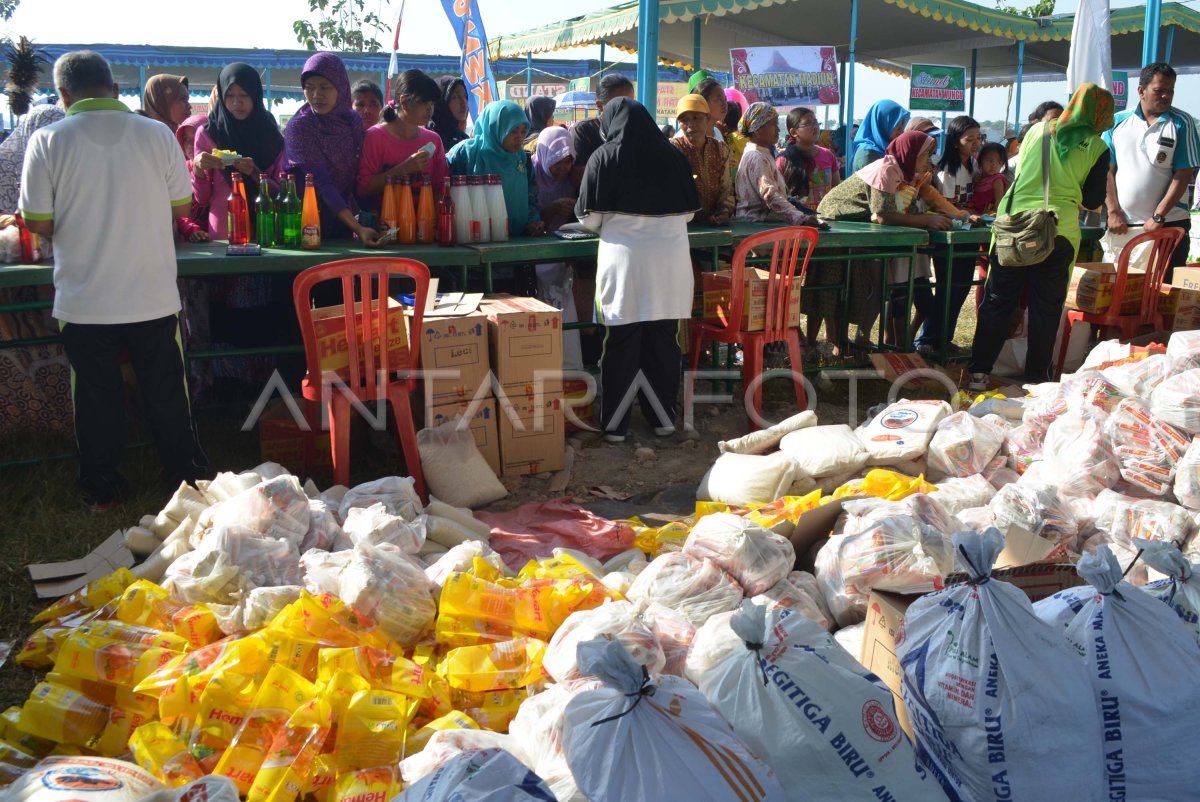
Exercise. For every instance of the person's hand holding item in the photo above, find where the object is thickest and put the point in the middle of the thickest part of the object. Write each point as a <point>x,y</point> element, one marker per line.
<point>536,228</point>
<point>1117,224</point>
<point>718,219</point>
<point>938,222</point>
<point>206,161</point>
<point>368,236</point>
<point>245,166</point>
<point>199,235</point>
<point>413,164</point>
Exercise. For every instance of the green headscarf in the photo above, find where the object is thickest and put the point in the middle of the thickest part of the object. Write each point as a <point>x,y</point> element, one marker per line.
<point>1089,113</point>
<point>697,77</point>
<point>485,154</point>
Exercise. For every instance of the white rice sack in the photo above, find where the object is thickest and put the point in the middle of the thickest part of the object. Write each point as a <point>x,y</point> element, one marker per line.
<point>766,440</point>
<point>1180,590</point>
<point>956,495</point>
<point>1177,400</point>
<point>1183,349</point>
<point>444,745</point>
<point>756,557</point>
<point>851,639</point>
<point>963,445</point>
<point>538,731</point>
<point>1187,477</point>
<point>741,479</point>
<point>611,621</point>
<point>396,493</point>
<point>1077,453</point>
<point>375,525</point>
<point>454,469</point>
<point>822,451</point>
<point>1131,518</point>
<point>697,588</point>
<point>902,431</point>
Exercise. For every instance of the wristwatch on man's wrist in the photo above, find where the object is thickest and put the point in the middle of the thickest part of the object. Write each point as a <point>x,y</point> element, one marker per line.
<point>1158,218</point>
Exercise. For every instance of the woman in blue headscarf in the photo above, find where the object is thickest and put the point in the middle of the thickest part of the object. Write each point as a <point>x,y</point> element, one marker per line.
<point>884,122</point>
<point>497,149</point>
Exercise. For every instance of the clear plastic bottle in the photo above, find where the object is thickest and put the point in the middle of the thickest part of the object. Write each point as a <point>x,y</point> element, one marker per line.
<point>479,210</point>
<point>460,193</point>
<point>497,210</point>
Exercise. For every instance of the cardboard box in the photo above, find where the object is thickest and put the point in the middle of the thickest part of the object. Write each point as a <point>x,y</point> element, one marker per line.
<point>1092,285</point>
<point>482,423</point>
<point>532,434</point>
<point>581,411</point>
<point>280,439</point>
<point>1186,278</point>
<point>457,344</point>
<point>333,346</point>
<point>885,615</point>
<point>525,339</point>
<point>718,286</point>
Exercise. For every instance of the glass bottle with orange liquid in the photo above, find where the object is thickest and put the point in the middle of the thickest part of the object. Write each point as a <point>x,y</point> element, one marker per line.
<point>406,213</point>
<point>310,217</point>
<point>426,210</point>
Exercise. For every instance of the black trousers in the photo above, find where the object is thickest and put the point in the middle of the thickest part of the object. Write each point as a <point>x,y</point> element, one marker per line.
<point>157,357</point>
<point>645,354</point>
<point>1047,283</point>
<point>1180,256</point>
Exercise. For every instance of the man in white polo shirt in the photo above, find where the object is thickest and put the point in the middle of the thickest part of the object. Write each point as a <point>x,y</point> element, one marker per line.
<point>106,185</point>
<point>1155,152</point>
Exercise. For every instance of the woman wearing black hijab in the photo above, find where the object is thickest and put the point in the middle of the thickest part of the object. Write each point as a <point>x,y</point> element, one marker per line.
<point>540,111</point>
<point>240,122</point>
<point>450,112</point>
<point>638,194</point>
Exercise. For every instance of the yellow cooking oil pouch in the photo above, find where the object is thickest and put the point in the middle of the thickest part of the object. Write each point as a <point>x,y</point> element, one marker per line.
<point>497,666</point>
<point>373,730</point>
<point>92,596</point>
<point>293,755</point>
<point>158,750</point>
<point>63,715</point>
<point>219,715</point>
<point>454,720</point>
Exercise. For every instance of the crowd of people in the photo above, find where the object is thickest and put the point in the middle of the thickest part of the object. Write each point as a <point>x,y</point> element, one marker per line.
<point>615,174</point>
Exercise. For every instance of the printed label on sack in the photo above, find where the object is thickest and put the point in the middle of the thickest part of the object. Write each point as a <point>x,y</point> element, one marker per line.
<point>899,418</point>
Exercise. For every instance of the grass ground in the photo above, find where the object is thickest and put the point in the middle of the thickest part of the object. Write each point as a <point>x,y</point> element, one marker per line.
<point>41,519</point>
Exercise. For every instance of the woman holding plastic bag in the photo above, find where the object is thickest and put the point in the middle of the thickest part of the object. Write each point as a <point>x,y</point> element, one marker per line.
<point>1078,172</point>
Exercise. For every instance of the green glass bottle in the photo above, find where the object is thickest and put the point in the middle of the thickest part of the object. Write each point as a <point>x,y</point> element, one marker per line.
<point>290,212</point>
<point>264,214</point>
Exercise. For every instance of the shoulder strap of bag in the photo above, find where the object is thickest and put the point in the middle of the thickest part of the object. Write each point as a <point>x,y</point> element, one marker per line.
<point>1046,134</point>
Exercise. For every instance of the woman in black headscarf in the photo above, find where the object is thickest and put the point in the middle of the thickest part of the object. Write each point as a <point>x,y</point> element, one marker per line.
<point>540,111</point>
<point>638,195</point>
<point>240,122</point>
<point>450,112</point>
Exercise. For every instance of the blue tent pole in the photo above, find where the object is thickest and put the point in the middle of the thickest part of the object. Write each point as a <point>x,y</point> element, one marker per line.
<point>528,77</point>
<point>267,81</point>
<point>1170,44</point>
<point>974,64</point>
<point>383,86</point>
<point>1150,33</point>
<point>141,82</point>
<point>849,167</point>
<point>648,54</point>
<point>1020,77</point>
<point>697,36</point>
<point>842,94</point>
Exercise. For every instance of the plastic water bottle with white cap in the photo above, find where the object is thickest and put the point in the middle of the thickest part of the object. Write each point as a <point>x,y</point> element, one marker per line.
<point>497,210</point>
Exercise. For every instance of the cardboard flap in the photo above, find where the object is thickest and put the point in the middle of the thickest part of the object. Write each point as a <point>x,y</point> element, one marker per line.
<point>107,553</point>
<point>1022,547</point>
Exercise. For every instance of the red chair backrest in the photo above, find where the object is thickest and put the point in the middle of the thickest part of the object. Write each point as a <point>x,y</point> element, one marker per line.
<point>365,320</point>
<point>1165,241</point>
<point>783,280</point>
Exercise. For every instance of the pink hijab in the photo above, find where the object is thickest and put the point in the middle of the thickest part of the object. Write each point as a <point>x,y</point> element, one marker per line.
<point>899,162</point>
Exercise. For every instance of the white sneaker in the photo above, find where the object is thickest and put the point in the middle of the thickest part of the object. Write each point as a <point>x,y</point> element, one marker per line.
<point>614,438</point>
<point>979,382</point>
<point>664,431</point>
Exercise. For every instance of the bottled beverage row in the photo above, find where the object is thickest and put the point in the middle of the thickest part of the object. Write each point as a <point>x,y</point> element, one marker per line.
<point>471,210</point>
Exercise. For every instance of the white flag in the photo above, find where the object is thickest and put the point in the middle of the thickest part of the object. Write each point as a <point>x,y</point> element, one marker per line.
<point>1091,47</point>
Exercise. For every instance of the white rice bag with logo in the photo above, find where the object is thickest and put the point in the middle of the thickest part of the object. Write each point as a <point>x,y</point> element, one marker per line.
<point>993,693</point>
<point>756,557</point>
<point>611,621</point>
<point>902,431</point>
<point>1141,661</point>
<point>479,775</point>
<point>72,779</point>
<point>822,451</point>
<point>655,738</point>
<point>822,721</point>
<point>696,588</point>
<point>1187,477</point>
<point>1177,400</point>
<point>1181,589</point>
<point>963,445</point>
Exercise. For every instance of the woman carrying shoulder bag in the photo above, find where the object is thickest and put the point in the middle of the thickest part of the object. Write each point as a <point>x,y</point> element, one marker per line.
<point>1078,171</point>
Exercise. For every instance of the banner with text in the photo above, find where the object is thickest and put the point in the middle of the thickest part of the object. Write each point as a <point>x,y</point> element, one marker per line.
<point>786,77</point>
<point>1120,89</point>
<point>934,87</point>
<point>476,67</point>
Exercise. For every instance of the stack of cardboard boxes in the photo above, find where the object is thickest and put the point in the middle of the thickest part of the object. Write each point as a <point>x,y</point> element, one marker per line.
<point>526,346</point>
<point>1179,302</point>
<point>1092,286</point>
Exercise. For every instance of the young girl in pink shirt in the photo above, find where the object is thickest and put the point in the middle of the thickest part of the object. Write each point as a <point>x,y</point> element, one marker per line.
<point>394,148</point>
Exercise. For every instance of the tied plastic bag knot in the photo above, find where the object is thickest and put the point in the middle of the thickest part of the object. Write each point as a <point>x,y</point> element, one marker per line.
<point>1102,570</point>
<point>1164,557</point>
<point>749,623</point>
<point>978,553</point>
<point>647,689</point>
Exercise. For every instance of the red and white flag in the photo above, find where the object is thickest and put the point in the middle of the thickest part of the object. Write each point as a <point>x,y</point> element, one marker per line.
<point>394,62</point>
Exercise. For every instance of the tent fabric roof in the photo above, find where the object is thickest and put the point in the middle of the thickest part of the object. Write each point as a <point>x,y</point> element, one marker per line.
<point>893,34</point>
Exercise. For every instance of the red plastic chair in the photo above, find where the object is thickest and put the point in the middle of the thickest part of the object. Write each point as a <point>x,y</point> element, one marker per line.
<point>783,283</point>
<point>1165,241</point>
<point>369,377</point>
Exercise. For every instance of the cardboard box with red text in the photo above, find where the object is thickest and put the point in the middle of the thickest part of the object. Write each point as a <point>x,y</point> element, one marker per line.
<point>482,423</point>
<point>532,433</point>
<point>334,347</point>
<point>457,346</point>
<point>1092,286</point>
<point>525,339</point>
<point>717,287</point>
